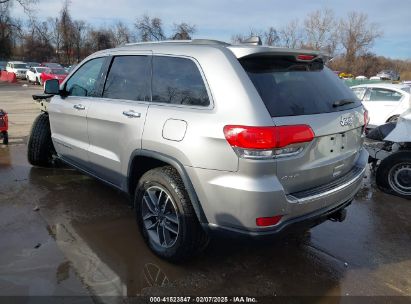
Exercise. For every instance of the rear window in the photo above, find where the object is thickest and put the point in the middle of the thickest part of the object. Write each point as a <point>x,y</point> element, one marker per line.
<point>290,88</point>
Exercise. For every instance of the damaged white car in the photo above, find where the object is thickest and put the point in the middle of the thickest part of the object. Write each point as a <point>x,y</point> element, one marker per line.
<point>389,146</point>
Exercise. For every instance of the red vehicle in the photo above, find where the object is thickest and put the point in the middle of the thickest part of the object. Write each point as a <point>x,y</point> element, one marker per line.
<point>4,126</point>
<point>48,74</point>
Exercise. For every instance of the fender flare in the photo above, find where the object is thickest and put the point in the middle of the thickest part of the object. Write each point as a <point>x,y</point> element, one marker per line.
<point>180,169</point>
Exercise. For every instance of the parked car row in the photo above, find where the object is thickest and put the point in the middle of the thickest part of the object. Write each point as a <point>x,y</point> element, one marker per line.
<point>35,72</point>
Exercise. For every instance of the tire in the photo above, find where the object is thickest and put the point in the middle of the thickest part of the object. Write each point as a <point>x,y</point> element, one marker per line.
<point>188,238</point>
<point>38,81</point>
<point>5,137</point>
<point>40,148</point>
<point>393,175</point>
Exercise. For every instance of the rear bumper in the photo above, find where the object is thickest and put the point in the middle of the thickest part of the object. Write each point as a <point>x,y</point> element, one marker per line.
<point>297,224</point>
<point>232,201</point>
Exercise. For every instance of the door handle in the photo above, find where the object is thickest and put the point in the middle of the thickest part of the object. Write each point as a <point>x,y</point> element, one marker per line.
<point>131,114</point>
<point>79,107</point>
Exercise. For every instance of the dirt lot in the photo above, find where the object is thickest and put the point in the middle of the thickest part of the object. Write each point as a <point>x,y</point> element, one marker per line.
<point>63,233</point>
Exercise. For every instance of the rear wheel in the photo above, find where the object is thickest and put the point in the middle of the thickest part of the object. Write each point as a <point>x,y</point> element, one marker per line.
<point>166,217</point>
<point>40,148</point>
<point>394,174</point>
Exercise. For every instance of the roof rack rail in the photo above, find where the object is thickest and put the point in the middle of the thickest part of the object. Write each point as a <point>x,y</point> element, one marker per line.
<point>194,41</point>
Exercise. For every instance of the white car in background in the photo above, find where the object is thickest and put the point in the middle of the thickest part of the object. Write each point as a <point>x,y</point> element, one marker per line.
<point>17,67</point>
<point>384,101</point>
<point>33,74</point>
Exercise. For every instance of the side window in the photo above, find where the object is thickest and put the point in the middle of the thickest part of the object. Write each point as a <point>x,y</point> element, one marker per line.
<point>129,78</point>
<point>84,81</point>
<point>378,94</point>
<point>359,92</point>
<point>178,81</point>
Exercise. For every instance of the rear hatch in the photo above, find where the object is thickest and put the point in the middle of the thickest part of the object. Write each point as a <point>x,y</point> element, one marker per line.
<point>300,90</point>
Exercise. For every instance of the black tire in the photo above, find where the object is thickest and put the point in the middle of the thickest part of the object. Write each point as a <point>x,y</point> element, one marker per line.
<point>37,81</point>
<point>191,238</point>
<point>5,137</point>
<point>40,148</point>
<point>393,175</point>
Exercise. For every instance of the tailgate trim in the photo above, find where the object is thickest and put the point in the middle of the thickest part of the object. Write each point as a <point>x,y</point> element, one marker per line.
<point>329,189</point>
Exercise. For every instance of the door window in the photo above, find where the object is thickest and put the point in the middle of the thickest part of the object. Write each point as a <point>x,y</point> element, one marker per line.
<point>178,81</point>
<point>129,78</point>
<point>84,81</point>
<point>378,94</point>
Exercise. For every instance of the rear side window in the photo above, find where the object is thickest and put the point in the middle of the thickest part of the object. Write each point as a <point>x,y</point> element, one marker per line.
<point>178,81</point>
<point>290,88</point>
<point>129,78</point>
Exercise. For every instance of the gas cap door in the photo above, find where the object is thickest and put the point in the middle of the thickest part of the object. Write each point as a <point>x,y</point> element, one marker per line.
<point>174,129</point>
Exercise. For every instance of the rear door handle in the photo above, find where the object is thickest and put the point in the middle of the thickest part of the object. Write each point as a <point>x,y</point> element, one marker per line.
<point>131,114</point>
<point>79,107</point>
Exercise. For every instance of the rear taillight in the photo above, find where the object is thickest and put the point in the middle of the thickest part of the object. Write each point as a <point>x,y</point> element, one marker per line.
<point>267,142</point>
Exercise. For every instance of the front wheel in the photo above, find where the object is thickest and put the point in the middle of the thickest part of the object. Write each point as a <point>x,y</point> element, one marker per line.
<point>166,217</point>
<point>394,174</point>
<point>40,149</point>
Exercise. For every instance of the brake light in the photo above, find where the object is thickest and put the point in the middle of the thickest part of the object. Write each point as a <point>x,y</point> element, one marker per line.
<point>268,221</point>
<point>267,142</point>
<point>305,57</point>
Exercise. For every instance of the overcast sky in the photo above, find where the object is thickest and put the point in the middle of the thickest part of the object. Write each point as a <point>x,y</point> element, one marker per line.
<point>219,19</point>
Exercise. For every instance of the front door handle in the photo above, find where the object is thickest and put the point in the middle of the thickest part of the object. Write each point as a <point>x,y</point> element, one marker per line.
<point>79,107</point>
<point>131,114</point>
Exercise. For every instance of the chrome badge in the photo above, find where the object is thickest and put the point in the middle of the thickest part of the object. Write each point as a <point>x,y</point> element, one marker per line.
<point>347,120</point>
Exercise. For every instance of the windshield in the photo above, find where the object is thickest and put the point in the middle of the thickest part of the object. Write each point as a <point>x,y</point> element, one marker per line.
<point>290,88</point>
<point>40,70</point>
<point>20,66</point>
<point>58,72</point>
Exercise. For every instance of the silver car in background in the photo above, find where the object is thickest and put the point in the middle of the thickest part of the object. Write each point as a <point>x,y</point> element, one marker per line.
<point>209,138</point>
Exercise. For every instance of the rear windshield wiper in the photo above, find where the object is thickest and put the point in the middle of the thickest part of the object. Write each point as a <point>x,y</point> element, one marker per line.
<point>342,102</point>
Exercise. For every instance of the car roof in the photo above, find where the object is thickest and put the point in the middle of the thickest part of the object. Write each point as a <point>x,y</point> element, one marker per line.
<point>186,47</point>
<point>394,86</point>
<point>16,62</point>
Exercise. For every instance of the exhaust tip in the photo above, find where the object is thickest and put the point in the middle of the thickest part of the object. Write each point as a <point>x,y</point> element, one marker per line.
<point>338,216</point>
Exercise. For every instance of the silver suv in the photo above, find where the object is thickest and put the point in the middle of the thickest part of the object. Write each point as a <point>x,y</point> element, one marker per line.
<point>209,137</point>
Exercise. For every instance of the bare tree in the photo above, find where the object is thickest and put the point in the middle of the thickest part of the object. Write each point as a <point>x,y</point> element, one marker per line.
<point>271,36</point>
<point>183,31</point>
<point>79,31</point>
<point>357,35</point>
<point>290,35</point>
<point>121,34</point>
<point>150,29</point>
<point>25,4</point>
<point>320,28</point>
<point>56,37</point>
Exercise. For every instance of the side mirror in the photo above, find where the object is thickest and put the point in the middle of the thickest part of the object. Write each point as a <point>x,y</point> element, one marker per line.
<point>52,87</point>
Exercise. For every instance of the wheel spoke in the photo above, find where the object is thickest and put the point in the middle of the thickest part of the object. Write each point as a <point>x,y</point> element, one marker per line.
<point>148,215</point>
<point>149,204</point>
<point>164,236</point>
<point>153,197</point>
<point>169,228</point>
<point>172,218</point>
<point>152,225</point>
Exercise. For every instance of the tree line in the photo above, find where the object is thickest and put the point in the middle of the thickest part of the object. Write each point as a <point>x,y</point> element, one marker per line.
<point>348,40</point>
